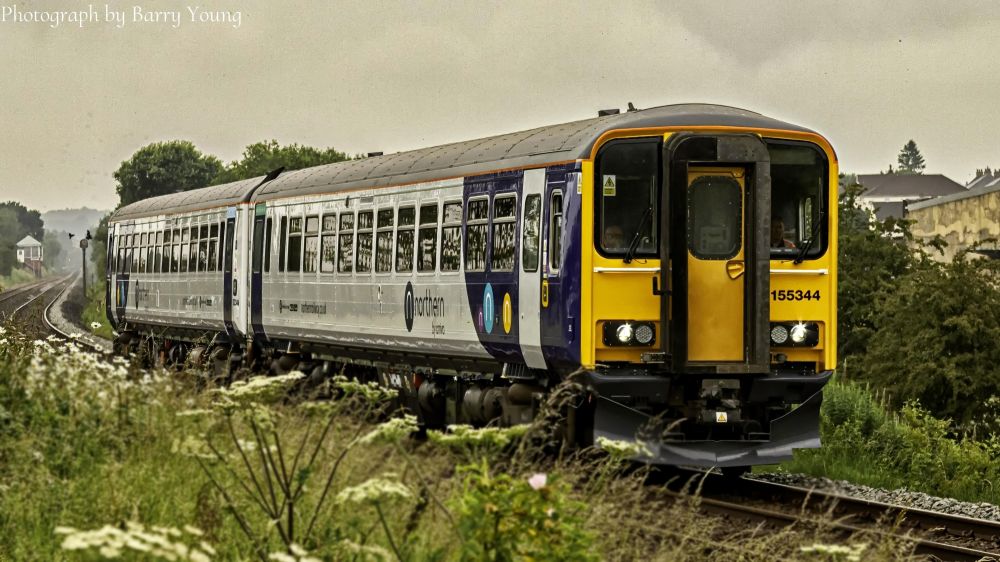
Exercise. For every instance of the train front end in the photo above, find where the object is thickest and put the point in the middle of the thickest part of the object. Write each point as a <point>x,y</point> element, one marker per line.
<point>709,295</point>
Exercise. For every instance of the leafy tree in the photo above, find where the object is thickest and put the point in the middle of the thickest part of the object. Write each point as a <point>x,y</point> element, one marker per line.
<point>16,222</point>
<point>30,221</point>
<point>938,339</point>
<point>910,160</point>
<point>263,157</point>
<point>52,249</point>
<point>873,256</point>
<point>162,168</point>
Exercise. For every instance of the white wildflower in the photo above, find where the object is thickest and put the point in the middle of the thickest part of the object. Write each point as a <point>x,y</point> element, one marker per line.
<point>836,551</point>
<point>157,542</point>
<point>624,449</point>
<point>373,491</point>
<point>363,552</point>
<point>392,431</point>
<point>95,325</point>
<point>538,480</point>
<point>465,435</point>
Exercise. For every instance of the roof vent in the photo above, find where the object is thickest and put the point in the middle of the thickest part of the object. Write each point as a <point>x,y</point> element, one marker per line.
<point>370,154</point>
<point>606,112</point>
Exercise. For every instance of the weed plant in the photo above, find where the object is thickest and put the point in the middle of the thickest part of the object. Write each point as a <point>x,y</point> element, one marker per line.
<point>864,442</point>
<point>102,460</point>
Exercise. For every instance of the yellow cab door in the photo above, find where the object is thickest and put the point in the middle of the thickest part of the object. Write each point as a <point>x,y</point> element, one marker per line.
<point>717,190</point>
<point>715,264</point>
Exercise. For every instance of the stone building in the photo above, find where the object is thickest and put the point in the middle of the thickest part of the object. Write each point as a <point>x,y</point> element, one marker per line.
<point>962,219</point>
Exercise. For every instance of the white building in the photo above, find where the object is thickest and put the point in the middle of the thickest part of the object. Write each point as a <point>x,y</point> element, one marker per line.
<point>29,250</point>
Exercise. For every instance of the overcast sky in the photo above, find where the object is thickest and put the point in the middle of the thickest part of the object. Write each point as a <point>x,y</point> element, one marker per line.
<point>390,76</point>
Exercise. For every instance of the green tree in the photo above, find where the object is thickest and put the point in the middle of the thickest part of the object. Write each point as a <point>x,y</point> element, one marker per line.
<point>162,168</point>
<point>910,160</point>
<point>938,339</point>
<point>873,256</point>
<point>263,157</point>
<point>52,249</point>
<point>30,220</point>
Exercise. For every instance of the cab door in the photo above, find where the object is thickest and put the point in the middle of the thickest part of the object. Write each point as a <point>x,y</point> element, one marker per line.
<point>715,263</point>
<point>717,194</point>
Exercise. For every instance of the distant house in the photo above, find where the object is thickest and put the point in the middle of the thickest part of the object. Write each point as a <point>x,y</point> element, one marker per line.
<point>29,253</point>
<point>962,219</point>
<point>891,194</point>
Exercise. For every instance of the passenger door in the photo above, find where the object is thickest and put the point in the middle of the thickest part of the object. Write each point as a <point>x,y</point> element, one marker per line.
<point>530,275</point>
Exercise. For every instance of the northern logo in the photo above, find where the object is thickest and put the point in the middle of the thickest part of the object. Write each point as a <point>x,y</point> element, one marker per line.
<point>425,306</point>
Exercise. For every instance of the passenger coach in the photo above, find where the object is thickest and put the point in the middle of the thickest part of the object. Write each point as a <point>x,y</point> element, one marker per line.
<point>680,259</point>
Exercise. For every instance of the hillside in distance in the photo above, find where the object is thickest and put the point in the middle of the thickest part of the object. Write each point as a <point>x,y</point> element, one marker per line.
<point>77,221</point>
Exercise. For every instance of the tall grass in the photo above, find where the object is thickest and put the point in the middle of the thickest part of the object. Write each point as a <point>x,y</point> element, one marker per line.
<point>864,442</point>
<point>102,460</point>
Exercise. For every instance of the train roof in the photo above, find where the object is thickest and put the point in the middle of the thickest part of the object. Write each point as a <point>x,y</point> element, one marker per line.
<point>543,145</point>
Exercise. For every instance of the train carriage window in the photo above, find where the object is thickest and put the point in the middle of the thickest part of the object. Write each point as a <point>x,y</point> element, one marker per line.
<point>222,235</point>
<point>282,243</point>
<point>157,257</point>
<point>627,191</point>
<point>214,230</point>
<point>310,262</point>
<point>185,257</point>
<point>185,235</point>
<point>144,239</point>
<point>531,232</point>
<point>203,255</point>
<point>383,241</point>
<point>268,228</point>
<point>451,237</point>
<point>363,257</point>
<point>427,244</point>
<point>193,252</point>
<point>555,230</point>
<point>404,240</point>
<point>203,232</point>
<point>294,244</point>
<point>798,189</point>
<point>328,255</point>
<point>345,242</point>
<point>121,260</point>
<point>175,259</point>
<point>504,223</point>
<point>141,258</point>
<point>477,218</point>
<point>150,258</point>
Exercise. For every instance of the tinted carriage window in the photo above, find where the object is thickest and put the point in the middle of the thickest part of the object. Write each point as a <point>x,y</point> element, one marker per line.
<point>404,240</point>
<point>504,216</point>
<point>798,197</point>
<point>328,250</point>
<point>345,255</point>
<point>185,256</point>
<point>157,259</point>
<point>476,234</point>
<point>294,244</point>
<point>175,258</point>
<point>451,237</point>
<point>363,258</point>
<point>268,227</point>
<point>282,243</point>
<point>628,195</point>
<point>310,261</point>
<point>715,217</point>
<point>383,241</point>
<point>532,227</point>
<point>555,230</point>
<point>427,243</point>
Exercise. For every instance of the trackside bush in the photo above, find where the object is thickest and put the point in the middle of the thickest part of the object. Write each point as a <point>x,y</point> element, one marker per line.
<point>865,444</point>
<point>504,518</point>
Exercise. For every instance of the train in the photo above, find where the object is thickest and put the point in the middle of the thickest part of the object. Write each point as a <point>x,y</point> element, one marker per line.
<point>677,262</point>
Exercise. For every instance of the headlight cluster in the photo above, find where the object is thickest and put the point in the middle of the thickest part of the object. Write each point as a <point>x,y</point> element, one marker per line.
<point>618,333</point>
<point>794,334</point>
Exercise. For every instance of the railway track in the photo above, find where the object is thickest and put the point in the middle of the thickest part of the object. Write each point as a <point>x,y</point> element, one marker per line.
<point>939,536</point>
<point>31,306</point>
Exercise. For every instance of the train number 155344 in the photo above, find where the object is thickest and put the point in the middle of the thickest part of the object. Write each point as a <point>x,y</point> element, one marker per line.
<point>794,295</point>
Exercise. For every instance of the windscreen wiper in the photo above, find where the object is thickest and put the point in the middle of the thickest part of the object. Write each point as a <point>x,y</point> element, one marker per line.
<point>630,252</point>
<point>802,253</point>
